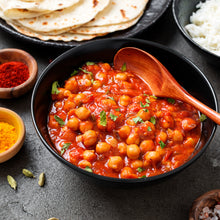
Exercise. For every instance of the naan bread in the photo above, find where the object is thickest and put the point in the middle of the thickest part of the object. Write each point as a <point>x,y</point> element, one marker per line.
<point>71,17</point>
<point>105,28</point>
<point>119,11</point>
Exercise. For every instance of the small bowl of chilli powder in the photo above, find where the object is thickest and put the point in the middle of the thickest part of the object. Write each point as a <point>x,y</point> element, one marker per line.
<point>18,72</point>
<point>12,134</point>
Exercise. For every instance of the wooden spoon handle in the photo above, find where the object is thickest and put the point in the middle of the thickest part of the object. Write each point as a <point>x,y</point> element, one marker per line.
<point>213,115</point>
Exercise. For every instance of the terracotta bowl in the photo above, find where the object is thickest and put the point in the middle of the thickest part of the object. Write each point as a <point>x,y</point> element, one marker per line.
<point>209,199</point>
<point>14,119</point>
<point>10,54</point>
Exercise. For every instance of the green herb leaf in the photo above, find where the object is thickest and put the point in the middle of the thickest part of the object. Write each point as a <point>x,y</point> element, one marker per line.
<point>59,120</point>
<point>64,148</point>
<point>153,120</point>
<point>140,169</point>
<point>144,106</point>
<point>88,169</point>
<point>202,117</point>
<point>54,89</point>
<point>153,96</point>
<point>103,120</point>
<point>111,98</point>
<point>162,145</point>
<point>74,73</point>
<point>117,109</point>
<point>113,117</point>
<point>88,72</point>
<point>147,100</point>
<point>172,101</point>
<point>145,110</point>
<point>124,67</point>
<point>138,119</point>
<point>144,176</point>
<point>89,63</point>
<point>145,94</point>
<point>149,128</point>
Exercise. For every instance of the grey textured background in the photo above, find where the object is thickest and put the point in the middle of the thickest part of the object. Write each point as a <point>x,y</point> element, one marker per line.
<point>66,195</point>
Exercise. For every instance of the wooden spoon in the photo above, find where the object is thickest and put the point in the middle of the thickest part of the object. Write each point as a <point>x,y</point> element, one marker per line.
<point>158,78</point>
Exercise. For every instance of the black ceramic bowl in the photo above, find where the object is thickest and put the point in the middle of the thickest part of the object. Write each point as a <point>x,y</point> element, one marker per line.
<point>186,73</point>
<point>182,10</point>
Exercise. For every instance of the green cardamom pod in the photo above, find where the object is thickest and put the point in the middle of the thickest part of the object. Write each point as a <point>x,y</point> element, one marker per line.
<point>41,179</point>
<point>12,182</point>
<point>28,173</point>
<point>53,218</point>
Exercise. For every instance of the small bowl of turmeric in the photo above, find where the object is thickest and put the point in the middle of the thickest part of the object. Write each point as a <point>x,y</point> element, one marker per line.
<point>18,72</point>
<point>12,134</point>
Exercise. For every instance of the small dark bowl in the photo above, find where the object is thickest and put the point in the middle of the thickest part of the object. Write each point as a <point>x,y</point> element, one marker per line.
<point>182,10</point>
<point>186,73</point>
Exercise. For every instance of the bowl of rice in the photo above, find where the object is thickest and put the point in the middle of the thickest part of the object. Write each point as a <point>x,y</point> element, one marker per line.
<point>199,22</point>
<point>206,206</point>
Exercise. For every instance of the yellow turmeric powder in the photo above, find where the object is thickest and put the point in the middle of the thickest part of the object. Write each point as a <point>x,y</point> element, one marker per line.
<point>8,136</point>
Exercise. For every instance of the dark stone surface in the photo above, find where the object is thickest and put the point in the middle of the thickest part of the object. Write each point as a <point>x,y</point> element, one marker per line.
<point>66,195</point>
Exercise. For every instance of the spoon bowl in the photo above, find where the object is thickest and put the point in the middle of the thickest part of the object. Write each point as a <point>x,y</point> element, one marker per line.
<point>158,78</point>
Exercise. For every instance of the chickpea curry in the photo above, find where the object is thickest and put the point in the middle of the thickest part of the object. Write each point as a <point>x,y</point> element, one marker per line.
<point>106,121</point>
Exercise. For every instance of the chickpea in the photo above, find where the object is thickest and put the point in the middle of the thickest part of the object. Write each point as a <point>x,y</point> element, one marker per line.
<point>124,100</point>
<point>85,126</point>
<point>68,105</point>
<point>82,113</point>
<point>137,99</point>
<point>133,151</point>
<point>102,147</point>
<point>79,98</point>
<point>105,66</point>
<point>147,145</point>
<point>152,157</point>
<point>115,163</point>
<point>108,102</point>
<point>136,164</point>
<point>133,138</point>
<point>177,136</point>
<point>130,121</point>
<point>71,85</point>
<point>145,115</point>
<point>189,142</point>
<point>124,131</point>
<point>89,138</point>
<point>112,141</point>
<point>97,84</point>
<point>79,138</point>
<point>63,93</point>
<point>188,124</point>
<point>85,82</point>
<point>58,104</point>
<point>84,163</point>
<point>73,123</point>
<point>127,173</point>
<point>121,77</point>
<point>122,147</point>
<point>162,136</point>
<point>167,121</point>
<point>89,155</point>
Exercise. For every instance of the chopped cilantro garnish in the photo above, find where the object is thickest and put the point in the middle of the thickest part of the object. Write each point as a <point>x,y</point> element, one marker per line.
<point>144,106</point>
<point>145,94</point>
<point>117,109</point>
<point>147,100</point>
<point>103,120</point>
<point>144,176</point>
<point>74,73</point>
<point>202,117</point>
<point>54,89</point>
<point>113,117</point>
<point>172,101</point>
<point>149,128</point>
<point>85,71</point>
<point>162,145</point>
<point>59,120</point>
<point>145,110</point>
<point>124,67</point>
<point>153,96</point>
<point>138,119</point>
<point>64,148</point>
<point>88,169</point>
<point>89,63</point>
<point>140,169</point>
<point>111,98</point>
<point>153,120</point>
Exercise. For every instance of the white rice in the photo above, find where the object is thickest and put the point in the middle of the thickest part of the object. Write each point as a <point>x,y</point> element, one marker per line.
<point>205,25</point>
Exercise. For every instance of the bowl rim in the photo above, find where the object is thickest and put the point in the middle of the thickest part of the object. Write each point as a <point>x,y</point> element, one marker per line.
<point>185,33</point>
<point>111,179</point>
<point>12,151</point>
<point>32,73</point>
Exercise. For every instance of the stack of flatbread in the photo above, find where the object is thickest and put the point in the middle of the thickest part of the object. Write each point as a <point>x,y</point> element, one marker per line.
<point>67,20</point>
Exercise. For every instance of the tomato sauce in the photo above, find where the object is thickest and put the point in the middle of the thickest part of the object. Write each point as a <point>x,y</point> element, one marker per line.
<point>108,122</point>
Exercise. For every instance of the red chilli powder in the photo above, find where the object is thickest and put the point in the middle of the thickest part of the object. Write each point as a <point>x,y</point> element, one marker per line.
<point>13,74</point>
